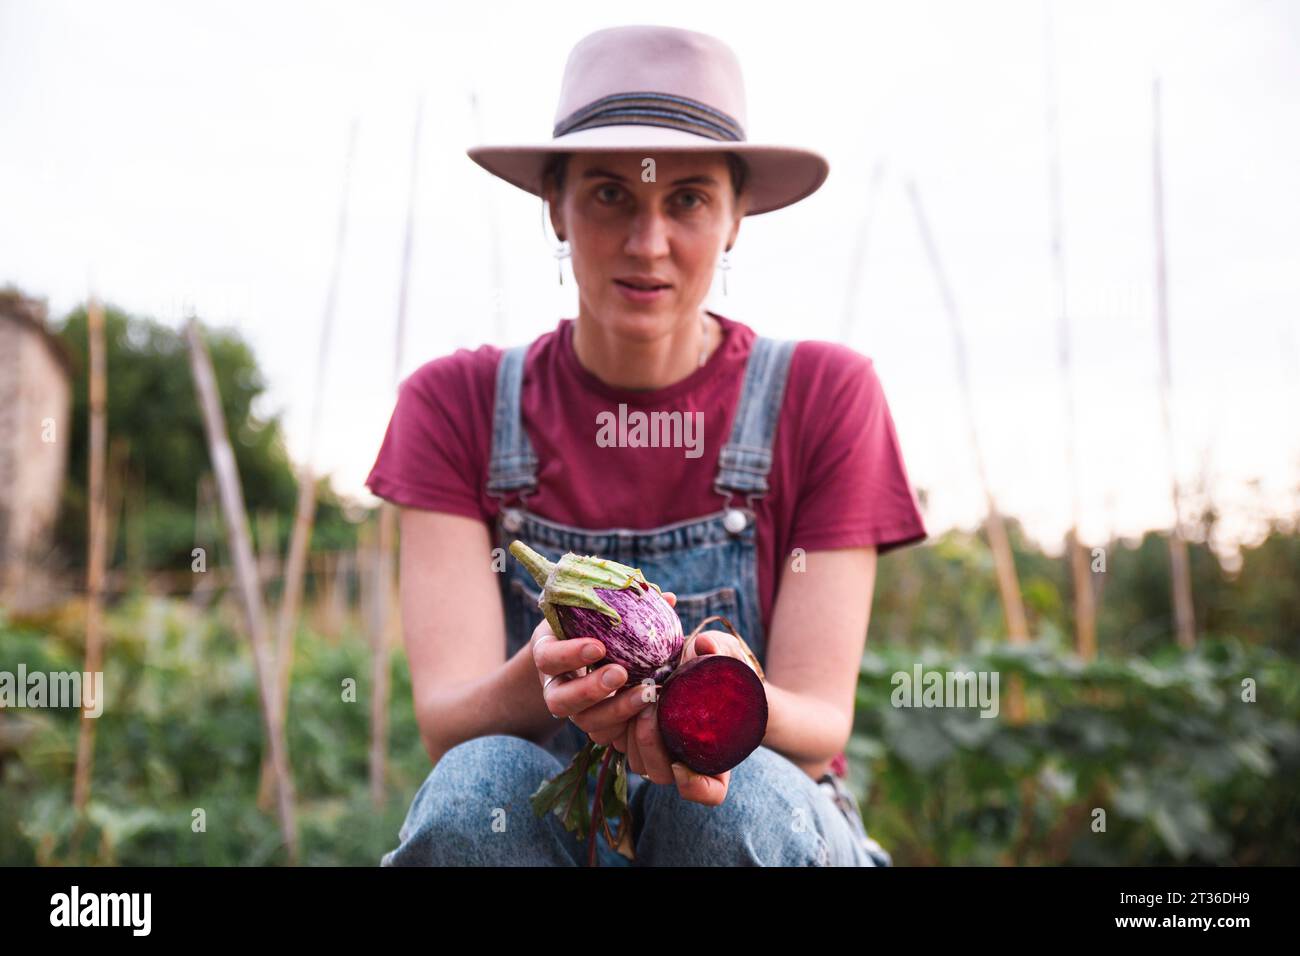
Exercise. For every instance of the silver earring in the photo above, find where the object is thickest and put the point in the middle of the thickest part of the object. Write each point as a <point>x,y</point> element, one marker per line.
<point>562,252</point>
<point>726,265</point>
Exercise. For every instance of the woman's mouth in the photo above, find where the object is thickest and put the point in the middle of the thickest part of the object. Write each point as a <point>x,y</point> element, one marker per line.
<point>641,292</point>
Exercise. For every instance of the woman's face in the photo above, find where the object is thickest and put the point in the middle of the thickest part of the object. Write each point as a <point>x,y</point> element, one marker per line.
<point>623,230</point>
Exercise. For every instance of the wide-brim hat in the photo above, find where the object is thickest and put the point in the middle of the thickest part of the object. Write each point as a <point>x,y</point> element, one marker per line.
<point>653,89</point>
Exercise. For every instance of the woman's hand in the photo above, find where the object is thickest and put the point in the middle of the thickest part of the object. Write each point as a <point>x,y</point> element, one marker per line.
<point>601,710</point>
<point>715,642</point>
<point>646,753</point>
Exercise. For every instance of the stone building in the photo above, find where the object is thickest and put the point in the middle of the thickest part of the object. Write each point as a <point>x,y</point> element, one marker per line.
<point>35,422</point>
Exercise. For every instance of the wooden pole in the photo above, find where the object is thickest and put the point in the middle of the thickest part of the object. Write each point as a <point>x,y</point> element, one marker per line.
<point>305,511</point>
<point>1008,583</point>
<point>858,260</point>
<point>1184,623</point>
<point>1085,615</point>
<point>241,548</point>
<point>1013,608</point>
<point>382,569</point>
<point>495,259</point>
<point>303,518</point>
<point>383,590</point>
<point>96,542</point>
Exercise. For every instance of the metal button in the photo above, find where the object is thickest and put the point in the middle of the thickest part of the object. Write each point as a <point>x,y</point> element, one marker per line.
<point>735,520</point>
<point>512,520</point>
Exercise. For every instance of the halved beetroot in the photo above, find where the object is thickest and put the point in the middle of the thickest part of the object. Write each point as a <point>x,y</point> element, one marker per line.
<point>712,713</point>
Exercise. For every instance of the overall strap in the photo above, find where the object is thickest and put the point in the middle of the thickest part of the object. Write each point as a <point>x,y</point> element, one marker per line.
<point>747,457</point>
<point>513,465</point>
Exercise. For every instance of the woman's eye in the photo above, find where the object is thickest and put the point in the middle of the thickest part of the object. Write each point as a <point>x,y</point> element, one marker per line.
<point>699,200</point>
<point>608,193</point>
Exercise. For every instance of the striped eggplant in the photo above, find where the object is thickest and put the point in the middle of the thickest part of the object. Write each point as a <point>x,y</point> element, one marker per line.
<point>586,596</point>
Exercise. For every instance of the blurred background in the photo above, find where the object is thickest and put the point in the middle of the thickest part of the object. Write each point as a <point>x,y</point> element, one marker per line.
<point>1064,232</point>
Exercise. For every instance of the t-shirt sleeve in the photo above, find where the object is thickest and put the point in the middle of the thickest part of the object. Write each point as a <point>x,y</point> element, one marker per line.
<point>855,492</point>
<point>431,456</point>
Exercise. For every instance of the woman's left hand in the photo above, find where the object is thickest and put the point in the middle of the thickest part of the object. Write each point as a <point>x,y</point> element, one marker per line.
<point>647,756</point>
<point>646,753</point>
<point>715,642</point>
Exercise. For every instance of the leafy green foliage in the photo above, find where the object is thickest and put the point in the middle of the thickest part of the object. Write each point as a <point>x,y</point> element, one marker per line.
<point>944,594</point>
<point>158,450</point>
<point>181,730</point>
<point>1185,769</point>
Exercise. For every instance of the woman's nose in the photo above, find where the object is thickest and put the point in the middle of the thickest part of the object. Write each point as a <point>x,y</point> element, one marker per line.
<point>647,235</point>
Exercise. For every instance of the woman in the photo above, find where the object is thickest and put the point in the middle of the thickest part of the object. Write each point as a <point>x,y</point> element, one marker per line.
<point>764,490</point>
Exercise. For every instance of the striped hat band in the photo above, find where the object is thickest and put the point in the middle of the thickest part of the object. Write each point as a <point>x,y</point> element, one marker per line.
<point>653,109</point>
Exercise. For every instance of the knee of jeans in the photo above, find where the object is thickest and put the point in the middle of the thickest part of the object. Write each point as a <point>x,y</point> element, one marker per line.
<point>767,817</point>
<point>476,784</point>
<point>495,752</point>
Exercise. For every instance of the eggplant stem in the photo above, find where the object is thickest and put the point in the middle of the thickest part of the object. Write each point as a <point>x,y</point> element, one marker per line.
<point>535,564</point>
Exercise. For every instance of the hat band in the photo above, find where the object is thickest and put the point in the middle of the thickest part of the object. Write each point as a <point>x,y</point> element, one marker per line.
<point>652,109</point>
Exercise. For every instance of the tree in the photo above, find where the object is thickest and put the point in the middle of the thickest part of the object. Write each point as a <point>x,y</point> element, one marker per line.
<point>155,427</point>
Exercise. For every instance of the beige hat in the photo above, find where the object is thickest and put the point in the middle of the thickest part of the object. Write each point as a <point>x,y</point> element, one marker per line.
<point>648,89</point>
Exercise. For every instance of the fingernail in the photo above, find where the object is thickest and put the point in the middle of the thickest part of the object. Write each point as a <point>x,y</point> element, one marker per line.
<point>646,713</point>
<point>593,653</point>
<point>681,774</point>
<point>612,677</point>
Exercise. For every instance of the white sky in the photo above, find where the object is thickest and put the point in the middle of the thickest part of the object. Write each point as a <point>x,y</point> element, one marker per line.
<point>182,152</point>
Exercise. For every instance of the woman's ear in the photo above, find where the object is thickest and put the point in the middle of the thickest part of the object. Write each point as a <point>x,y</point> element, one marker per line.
<point>557,216</point>
<point>740,206</point>
<point>734,232</point>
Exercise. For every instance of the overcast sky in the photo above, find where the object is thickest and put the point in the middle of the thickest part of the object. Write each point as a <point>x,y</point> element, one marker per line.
<point>183,152</point>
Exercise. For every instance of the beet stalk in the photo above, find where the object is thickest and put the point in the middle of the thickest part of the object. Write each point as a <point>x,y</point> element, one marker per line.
<point>716,714</point>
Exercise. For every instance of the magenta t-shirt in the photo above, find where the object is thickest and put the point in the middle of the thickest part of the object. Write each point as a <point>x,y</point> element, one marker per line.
<point>837,479</point>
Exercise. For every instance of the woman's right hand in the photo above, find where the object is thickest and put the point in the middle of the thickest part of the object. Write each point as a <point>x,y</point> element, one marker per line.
<point>600,710</point>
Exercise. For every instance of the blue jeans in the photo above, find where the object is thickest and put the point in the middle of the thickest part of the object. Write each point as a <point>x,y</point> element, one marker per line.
<point>473,810</point>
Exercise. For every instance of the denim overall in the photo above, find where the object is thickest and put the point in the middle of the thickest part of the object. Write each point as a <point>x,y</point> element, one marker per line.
<point>709,562</point>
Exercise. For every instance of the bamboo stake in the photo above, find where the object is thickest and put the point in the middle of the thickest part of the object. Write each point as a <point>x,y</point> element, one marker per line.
<point>1184,622</point>
<point>1004,565</point>
<point>305,511</point>
<point>1008,584</point>
<point>1085,617</point>
<point>241,548</point>
<point>858,259</point>
<point>382,565</point>
<point>95,557</point>
<point>303,519</point>
<point>383,591</point>
<point>494,231</point>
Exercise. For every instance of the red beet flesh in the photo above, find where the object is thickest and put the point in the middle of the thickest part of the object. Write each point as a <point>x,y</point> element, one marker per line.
<point>712,713</point>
